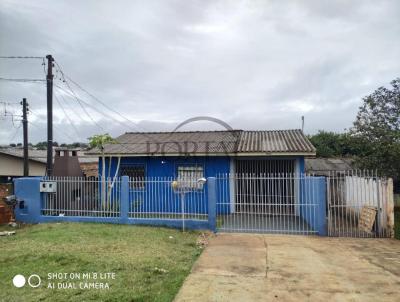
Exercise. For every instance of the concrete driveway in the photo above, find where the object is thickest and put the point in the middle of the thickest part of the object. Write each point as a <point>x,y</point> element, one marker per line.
<point>251,267</point>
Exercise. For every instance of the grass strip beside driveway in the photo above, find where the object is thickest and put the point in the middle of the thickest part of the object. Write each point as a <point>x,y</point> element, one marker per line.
<point>150,263</point>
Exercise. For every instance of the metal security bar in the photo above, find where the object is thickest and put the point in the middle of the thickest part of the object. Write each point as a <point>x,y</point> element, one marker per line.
<point>285,203</point>
<point>155,198</point>
<point>357,204</point>
<point>79,196</point>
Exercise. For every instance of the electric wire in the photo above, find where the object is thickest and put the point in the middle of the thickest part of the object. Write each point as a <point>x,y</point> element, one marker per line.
<point>56,127</point>
<point>80,104</point>
<point>21,80</point>
<point>20,57</point>
<point>15,133</point>
<point>67,78</point>
<point>67,116</point>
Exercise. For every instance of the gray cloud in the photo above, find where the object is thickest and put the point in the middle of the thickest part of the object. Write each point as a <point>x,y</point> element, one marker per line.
<point>254,64</point>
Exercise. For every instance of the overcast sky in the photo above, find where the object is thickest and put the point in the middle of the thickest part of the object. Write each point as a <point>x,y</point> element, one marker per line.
<point>253,64</point>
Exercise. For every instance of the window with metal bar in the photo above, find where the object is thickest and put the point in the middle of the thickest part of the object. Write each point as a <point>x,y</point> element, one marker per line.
<point>188,176</point>
<point>136,174</point>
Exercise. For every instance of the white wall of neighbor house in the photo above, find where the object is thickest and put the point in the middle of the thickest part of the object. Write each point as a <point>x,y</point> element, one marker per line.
<point>14,166</point>
<point>367,191</point>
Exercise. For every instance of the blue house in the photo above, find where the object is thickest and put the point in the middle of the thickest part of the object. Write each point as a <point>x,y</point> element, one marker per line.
<point>251,181</point>
<point>206,153</point>
<point>153,160</point>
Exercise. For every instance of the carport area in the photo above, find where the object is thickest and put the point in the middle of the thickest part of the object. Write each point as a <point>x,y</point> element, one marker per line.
<point>255,267</point>
<point>261,223</point>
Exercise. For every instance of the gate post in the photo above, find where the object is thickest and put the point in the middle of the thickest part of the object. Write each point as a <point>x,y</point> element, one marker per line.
<point>212,203</point>
<point>124,202</point>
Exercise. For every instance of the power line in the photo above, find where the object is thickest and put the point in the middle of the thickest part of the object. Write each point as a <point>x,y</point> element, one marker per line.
<point>71,107</point>
<point>93,107</point>
<point>9,103</point>
<point>22,80</point>
<point>60,130</point>
<point>65,77</point>
<point>67,116</point>
<point>16,132</point>
<point>83,108</point>
<point>77,99</point>
<point>57,128</point>
<point>101,102</point>
<point>20,57</point>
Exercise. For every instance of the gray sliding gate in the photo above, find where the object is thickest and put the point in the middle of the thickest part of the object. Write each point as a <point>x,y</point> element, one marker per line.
<point>269,203</point>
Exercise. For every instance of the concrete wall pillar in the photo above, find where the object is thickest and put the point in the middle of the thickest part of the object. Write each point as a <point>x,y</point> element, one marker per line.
<point>27,189</point>
<point>212,203</point>
<point>124,202</point>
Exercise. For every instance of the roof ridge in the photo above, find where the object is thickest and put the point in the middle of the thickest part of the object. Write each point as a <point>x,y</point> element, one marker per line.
<point>211,131</point>
<point>196,131</point>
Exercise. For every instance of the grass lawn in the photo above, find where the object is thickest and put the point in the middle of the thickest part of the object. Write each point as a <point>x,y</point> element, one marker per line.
<point>148,263</point>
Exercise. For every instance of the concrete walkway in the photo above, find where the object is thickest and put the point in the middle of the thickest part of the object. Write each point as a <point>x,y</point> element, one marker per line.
<point>250,267</point>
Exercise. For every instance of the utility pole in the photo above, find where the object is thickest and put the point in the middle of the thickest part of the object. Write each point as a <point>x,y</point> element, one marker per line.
<point>25,130</point>
<point>49,80</point>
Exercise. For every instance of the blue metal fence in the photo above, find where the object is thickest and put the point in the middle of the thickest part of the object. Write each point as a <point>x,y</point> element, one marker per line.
<point>113,201</point>
<point>286,203</point>
<point>154,197</point>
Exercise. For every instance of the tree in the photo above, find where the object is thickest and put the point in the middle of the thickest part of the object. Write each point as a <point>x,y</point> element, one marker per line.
<point>41,145</point>
<point>377,126</point>
<point>99,141</point>
<point>330,144</point>
<point>326,143</point>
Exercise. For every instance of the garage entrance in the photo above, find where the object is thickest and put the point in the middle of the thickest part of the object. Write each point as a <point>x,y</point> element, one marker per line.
<point>265,185</point>
<point>268,196</point>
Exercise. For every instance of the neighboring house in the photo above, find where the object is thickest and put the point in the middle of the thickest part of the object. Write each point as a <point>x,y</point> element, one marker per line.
<point>12,162</point>
<point>206,153</point>
<point>325,166</point>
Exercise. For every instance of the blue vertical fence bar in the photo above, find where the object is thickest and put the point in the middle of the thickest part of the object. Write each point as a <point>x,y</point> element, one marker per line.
<point>212,203</point>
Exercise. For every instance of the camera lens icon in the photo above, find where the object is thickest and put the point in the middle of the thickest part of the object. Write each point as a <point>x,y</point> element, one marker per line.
<point>19,281</point>
<point>33,281</point>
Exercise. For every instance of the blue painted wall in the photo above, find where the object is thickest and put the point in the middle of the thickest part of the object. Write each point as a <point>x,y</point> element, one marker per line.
<point>142,199</point>
<point>167,166</point>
